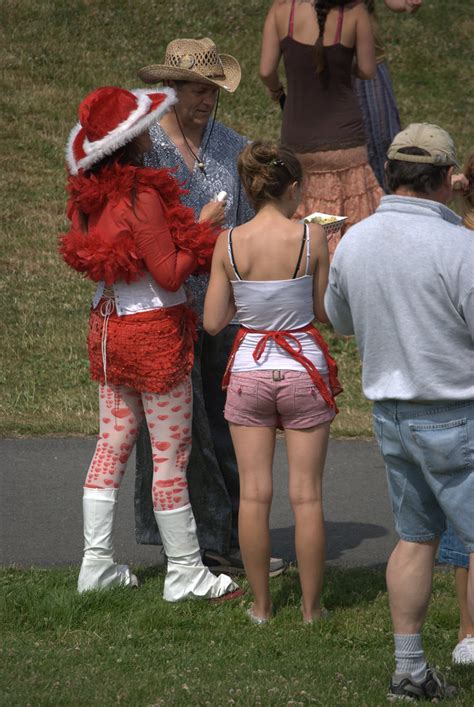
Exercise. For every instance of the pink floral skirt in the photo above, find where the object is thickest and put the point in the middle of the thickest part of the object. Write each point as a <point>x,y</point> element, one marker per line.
<point>339,182</point>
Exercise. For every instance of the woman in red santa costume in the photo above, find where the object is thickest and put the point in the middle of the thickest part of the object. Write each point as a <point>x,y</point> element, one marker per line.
<point>131,234</point>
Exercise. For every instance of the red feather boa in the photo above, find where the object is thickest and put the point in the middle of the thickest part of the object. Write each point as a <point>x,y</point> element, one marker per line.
<point>101,256</point>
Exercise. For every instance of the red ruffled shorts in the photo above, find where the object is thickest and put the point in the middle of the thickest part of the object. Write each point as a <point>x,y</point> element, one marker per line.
<point>149,351</point>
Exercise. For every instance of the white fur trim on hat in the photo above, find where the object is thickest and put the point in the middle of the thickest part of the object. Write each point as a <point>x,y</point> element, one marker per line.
<point>70,159</point>
<point>136,123</point>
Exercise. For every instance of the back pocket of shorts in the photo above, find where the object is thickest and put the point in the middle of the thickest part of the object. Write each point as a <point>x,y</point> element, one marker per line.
<point>306,391</point>
<point>306,397</point>
<point>444,446</point>
<point>243,389</point>
<point>242,395</point>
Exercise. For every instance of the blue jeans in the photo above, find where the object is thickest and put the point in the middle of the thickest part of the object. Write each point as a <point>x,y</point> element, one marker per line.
<point>451,550</point>
<point>428,450</point>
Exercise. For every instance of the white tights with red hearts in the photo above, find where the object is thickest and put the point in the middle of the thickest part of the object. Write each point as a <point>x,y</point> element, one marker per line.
<point>169,418</point>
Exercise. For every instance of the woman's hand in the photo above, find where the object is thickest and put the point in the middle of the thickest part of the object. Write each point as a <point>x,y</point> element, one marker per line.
<point>275,94</point>
<point>213,211</point>
<point>412,6</point>
<point>459,182</point>
<point>408,6</point>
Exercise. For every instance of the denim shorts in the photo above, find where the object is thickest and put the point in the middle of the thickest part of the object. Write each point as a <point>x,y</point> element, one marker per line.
<point>451,550</point>
<point>287,399</point>
<point>428,450</point>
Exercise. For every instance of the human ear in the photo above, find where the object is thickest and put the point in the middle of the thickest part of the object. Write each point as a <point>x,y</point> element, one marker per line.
<point>448,181</point>
<point>295,188</point>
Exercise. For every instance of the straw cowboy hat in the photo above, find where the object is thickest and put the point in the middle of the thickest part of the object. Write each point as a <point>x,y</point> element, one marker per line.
<point>109,118</point>
<point>195,60</point>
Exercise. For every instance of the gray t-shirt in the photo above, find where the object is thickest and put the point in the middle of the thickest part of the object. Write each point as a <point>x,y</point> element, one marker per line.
<point>402,280</point>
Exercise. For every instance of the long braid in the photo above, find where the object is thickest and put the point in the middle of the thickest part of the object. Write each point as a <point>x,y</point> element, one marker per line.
<point>370,5</point>
<point>322,8</point>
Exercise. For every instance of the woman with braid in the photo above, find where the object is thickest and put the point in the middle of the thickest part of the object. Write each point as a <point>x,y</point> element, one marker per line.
<point>321,43</point>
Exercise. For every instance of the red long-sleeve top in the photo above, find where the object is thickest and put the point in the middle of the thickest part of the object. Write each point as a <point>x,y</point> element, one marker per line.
<point>135,222</point>
<point>144,222</point>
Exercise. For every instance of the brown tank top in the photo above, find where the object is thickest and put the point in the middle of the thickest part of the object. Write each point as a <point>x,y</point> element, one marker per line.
<point>321,110</point>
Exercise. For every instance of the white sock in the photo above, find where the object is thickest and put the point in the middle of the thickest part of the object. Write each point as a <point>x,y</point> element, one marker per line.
<point>410,656</point>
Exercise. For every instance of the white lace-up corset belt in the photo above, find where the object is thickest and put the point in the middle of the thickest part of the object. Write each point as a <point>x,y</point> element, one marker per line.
<point>141,296</point>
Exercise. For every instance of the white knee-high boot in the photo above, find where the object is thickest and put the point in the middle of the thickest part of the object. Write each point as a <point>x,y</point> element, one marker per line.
<point>186,576</point>
<point>98,569</point>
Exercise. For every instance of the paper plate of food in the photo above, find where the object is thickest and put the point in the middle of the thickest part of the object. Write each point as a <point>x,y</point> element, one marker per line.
<point>329,222</point>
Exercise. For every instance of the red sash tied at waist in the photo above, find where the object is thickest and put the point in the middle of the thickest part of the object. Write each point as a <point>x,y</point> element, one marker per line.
<point>285,339</point>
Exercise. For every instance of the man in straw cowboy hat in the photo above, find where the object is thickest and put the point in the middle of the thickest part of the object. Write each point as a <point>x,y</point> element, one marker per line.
<point>204,153</point>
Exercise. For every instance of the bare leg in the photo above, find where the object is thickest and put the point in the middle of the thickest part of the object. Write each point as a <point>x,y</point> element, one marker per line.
<point>466,625</point>
<point>254,448</point>
<point>470,592</point>
<point>463,653</point>
<point>409,582</point>
<point>306,456</point>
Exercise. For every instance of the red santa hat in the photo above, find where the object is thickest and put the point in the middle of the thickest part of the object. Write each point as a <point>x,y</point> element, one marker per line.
<point>109,117</point>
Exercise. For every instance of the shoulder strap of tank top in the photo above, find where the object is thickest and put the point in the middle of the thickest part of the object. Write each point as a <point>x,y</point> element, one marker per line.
<point>231,254</point>
<point>291,21</point>
<point>303,241</point>
<point>308,250</point>
<point>340,20</point>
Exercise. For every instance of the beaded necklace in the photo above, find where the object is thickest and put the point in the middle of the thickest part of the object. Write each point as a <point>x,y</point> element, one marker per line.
<point>199,162</point>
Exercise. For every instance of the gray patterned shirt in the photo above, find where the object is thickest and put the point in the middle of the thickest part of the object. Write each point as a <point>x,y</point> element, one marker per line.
<point>219,150</point>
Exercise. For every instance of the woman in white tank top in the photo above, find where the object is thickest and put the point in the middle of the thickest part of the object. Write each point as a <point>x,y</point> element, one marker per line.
<point>271,274</point>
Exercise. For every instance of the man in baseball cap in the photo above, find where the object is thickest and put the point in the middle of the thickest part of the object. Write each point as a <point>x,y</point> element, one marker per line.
<point>402,282</point>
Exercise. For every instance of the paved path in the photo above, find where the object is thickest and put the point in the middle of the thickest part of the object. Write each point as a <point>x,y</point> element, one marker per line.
<point>40,505</point>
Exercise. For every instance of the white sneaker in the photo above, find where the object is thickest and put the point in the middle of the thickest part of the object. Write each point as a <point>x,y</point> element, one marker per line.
<point>464,651</point>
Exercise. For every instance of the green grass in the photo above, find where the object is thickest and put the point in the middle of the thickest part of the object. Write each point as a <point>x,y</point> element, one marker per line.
<point>130,647</point>
<point>52,53</point>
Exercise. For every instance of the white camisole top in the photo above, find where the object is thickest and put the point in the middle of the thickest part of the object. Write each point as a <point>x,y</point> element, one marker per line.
<point>275,305</point>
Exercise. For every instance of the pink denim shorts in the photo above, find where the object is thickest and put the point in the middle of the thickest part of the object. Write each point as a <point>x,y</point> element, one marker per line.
<point>287,399</point>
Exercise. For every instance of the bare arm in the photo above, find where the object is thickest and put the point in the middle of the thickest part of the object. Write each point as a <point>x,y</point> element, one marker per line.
<point>365,48</point>
<point>319,246</point>
<point>219,307</point>
<point>336,304</point>
<point>270,56</point>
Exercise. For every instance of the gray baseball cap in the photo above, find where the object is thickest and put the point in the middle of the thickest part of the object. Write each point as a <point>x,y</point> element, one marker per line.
<point>434,140</point>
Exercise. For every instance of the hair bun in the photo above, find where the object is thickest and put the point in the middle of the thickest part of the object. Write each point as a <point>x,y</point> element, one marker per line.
<point>266,170</point>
